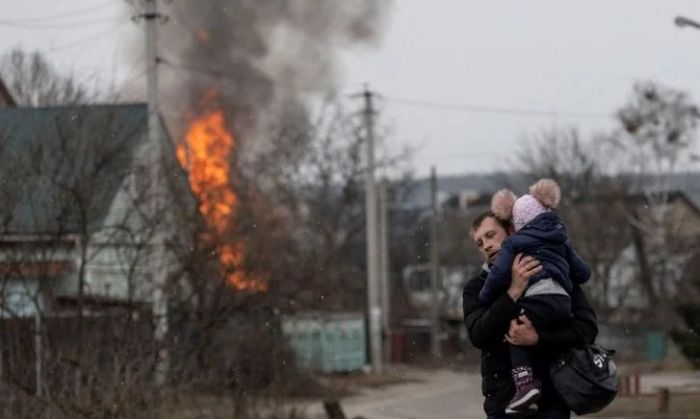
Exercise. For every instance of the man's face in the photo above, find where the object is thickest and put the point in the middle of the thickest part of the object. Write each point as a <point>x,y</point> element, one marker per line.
<point>488,238</point>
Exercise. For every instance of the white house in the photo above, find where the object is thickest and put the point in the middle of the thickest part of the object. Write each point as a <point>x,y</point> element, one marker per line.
<point>77,208</point>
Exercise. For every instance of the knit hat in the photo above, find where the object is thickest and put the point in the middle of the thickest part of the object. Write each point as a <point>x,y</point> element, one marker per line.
<point>544,196</point>
<point>525,209</point>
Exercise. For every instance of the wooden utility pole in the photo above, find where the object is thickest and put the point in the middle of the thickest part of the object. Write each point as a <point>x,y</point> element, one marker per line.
<point>158,273</point>
<point>371,210</point>
<point>385,278</point>
<point>434,269</point>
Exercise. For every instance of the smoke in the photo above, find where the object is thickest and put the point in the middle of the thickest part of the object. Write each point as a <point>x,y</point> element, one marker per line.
<point>262,60</point>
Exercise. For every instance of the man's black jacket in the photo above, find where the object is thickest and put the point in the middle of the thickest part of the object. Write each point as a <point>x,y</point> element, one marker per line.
<point>486,327</point>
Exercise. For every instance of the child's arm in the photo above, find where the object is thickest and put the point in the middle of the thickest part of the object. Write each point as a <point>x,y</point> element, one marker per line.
<point>580,271</point>
<point>499,276</point>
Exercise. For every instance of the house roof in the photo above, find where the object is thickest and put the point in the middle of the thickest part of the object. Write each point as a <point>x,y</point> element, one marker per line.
<point>61,167</point>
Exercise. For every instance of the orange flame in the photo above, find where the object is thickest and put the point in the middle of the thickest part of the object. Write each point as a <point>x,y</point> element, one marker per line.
<point>205,154</point>
<point>203,36</point>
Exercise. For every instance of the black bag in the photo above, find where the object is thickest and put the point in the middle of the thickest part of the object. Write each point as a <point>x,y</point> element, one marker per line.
<point>586,378</point>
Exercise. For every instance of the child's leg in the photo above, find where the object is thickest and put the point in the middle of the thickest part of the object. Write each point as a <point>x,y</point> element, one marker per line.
<point>519,357</point>
<point>527,389</point>
<point>547,311</point>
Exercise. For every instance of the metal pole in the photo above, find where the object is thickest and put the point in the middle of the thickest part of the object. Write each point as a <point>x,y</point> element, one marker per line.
<point>371,210</point>
<point>158,273</point>
<point>384,269</point>
<point>39,353</point>
<point>434,269</point>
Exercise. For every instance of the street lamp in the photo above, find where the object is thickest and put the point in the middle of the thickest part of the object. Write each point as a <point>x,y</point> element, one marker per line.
<point>682,21</point>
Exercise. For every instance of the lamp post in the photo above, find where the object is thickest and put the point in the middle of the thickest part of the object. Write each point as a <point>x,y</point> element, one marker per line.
<point>682,22</point>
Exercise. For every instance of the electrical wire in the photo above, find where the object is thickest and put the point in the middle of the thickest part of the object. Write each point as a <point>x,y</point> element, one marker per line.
<point>88,39</point>
<point>74,13</point>
<point>63,25</point>
<point>179,66</point>
<point>493,109</point>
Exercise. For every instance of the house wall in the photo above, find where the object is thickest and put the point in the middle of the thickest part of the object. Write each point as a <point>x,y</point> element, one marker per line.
<point>684,219</point>
<point>625,294</point>
<point>109,274</point>
<point>21,298</point>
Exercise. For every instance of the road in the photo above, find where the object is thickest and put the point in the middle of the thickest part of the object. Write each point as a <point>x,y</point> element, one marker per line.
<point>429,394</point>
<point>450,394</point>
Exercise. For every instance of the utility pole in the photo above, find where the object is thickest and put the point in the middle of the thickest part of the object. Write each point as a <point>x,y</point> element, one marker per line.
<point>39,352</point>
<point>384,269</point>
<point>434,269</point>
<point>158,273</point>
<point>371,210</point>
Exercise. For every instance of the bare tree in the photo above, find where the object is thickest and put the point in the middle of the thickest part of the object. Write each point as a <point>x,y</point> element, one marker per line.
<point>591,203</point>
<point>311,181</point>
<point>618,192</point>
<point>33,81</point>
<point>658,135</point>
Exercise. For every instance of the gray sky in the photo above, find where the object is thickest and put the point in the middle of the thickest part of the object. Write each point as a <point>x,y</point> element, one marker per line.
<point>567,57</point>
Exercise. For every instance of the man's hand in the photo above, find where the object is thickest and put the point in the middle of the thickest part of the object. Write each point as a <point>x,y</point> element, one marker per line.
<point>521,271</point>
<point>522,332</point>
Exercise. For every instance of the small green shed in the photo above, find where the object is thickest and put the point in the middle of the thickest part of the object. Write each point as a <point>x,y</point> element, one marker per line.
<point>327,342</point>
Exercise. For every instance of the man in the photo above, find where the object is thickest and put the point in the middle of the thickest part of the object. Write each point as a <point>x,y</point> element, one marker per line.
<point>491,327</point>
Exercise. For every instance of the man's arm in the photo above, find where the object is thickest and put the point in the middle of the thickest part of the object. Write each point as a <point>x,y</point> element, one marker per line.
<point>486,323</point>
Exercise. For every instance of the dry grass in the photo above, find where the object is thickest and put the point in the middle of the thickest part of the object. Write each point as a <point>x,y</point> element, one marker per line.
<point>287,406</point>
<point>683,406</point>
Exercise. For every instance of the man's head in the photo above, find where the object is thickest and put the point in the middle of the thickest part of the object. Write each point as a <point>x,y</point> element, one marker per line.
<point>488,232</point>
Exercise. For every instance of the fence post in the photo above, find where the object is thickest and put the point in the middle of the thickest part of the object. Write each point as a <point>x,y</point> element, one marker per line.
<point>663,400</point>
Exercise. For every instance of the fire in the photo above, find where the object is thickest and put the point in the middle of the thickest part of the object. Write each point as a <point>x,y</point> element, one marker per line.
<point>203,36</point>
<point>205,154</point>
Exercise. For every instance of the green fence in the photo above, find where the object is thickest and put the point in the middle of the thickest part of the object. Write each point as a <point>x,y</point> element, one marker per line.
<point>328,342</point>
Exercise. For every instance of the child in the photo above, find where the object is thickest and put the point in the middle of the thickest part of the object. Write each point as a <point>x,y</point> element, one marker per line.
<point>538,233</point>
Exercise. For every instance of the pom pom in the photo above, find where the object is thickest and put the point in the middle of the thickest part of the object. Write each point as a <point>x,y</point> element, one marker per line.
<point>502,204</point>
<point>547,192</point>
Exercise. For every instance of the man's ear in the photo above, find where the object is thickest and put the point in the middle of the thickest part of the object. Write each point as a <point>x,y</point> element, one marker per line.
<point>510,230</point>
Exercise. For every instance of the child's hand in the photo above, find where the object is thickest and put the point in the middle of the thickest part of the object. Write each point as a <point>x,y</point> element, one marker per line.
<point>522,332</point>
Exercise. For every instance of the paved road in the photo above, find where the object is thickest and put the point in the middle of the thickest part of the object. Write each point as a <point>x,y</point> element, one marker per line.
<point>440,394</point>
<point>446,394</point>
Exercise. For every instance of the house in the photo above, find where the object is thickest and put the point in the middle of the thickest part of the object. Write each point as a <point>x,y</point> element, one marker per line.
<point>78,225</point>
<point>667,250</point>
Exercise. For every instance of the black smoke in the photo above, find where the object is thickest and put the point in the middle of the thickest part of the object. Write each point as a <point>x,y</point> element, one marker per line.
<point>264,59</point>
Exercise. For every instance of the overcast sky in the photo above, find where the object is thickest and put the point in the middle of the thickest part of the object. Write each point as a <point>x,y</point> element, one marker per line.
<point>578,58</point>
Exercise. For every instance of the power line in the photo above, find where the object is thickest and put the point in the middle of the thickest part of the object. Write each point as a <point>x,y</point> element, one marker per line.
<point>88,39</point>
<point>226,77</point>
<point>494,109</point>
<point>62,25</point>
<point>179,66</point>
<point>74,13</point>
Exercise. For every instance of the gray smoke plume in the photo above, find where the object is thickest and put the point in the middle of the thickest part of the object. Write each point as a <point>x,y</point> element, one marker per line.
<point>263,58</point>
